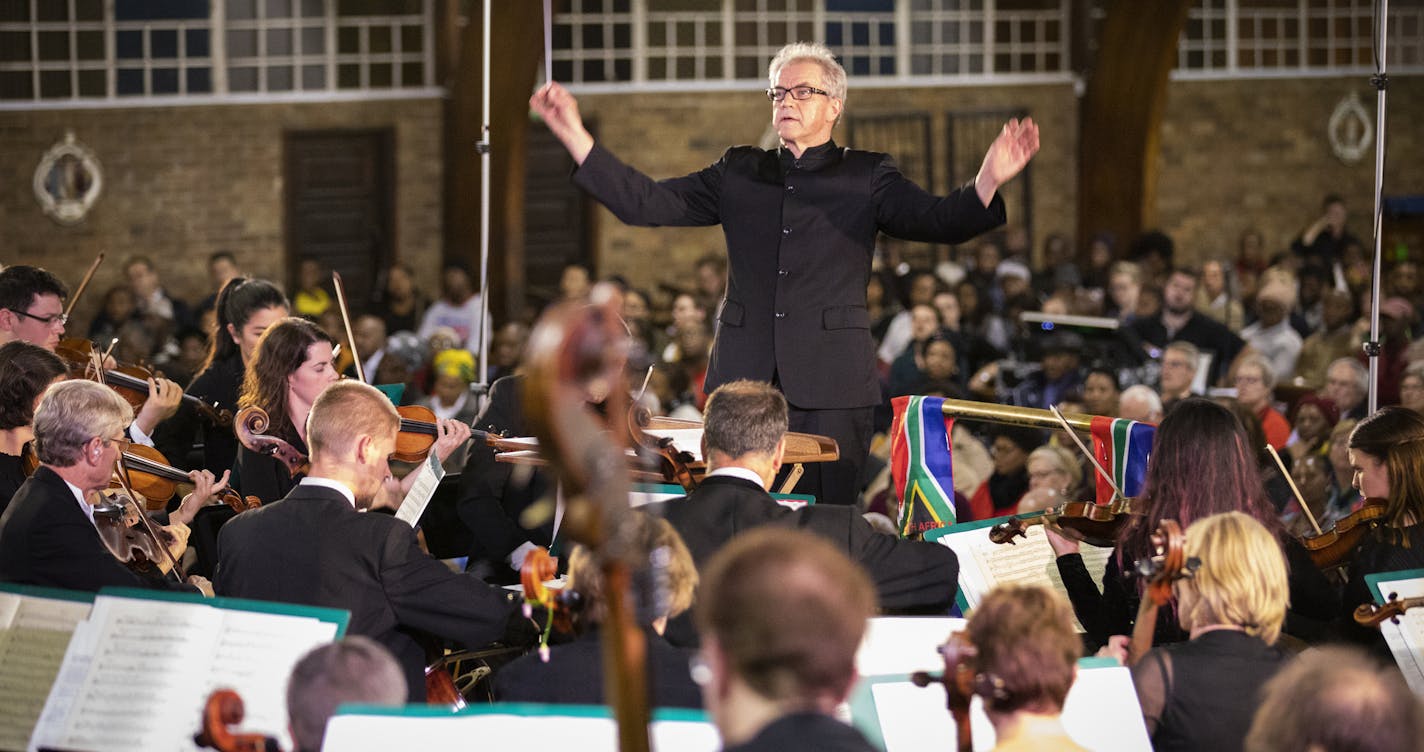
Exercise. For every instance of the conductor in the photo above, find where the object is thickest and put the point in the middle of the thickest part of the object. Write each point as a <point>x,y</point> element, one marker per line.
<point>800,224</point>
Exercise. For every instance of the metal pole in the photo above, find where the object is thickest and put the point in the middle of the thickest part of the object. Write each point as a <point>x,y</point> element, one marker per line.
<point>1381,83</point>
<point>1032,417</point>
<point>480,387</point>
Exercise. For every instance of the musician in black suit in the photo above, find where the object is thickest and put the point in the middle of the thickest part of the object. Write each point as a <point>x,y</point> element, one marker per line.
<point>493,495</point>
<point>743,441</point>
<point>801,224</point>
<point>317,547</point>
<point>47,535</point>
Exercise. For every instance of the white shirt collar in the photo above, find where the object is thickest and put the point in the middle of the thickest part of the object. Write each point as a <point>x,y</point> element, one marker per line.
<point>333,485</point>
<point>84,506</point>
<point>739,472</point>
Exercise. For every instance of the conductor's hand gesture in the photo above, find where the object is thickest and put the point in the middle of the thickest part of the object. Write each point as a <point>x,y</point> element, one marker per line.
<point>560,112</point>
<point>1007,156</point>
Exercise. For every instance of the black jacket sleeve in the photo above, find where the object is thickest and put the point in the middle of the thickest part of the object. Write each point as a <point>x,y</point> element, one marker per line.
<point>636,199</point>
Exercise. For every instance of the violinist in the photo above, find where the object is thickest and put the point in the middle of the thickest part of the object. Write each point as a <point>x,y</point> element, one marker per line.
<point>316,547</point>
<point>291,365</point>
<point>574,670</point>
<point>1026,660</point>
<point>48,535</point>
<point>32,306</point>
<point>1202,694</point>
<point>1201,464</point>
<point>245,307</point>
<point>26,370</point>
<point>782,614</point>
<point>1387,458</point>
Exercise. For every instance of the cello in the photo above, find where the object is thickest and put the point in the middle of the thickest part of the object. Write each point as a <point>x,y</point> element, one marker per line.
<point>1166,565</point>
<point>576,350</point>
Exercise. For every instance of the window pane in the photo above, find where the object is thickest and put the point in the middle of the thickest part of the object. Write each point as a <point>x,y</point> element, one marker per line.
<point>200,80</point>
<point>93,83</point>
<point>90,45</point>
<point>348,76</point>
<point>313,77</point>
<point>313,9</point>
<point>242,44</point>
<point>130,44</point>
<point>150,10</point>
<point>378,39</point>
<point>16,85</point>
<point>313,41</point>
<point>348,40</point>
<point>163,43</point>
<point>53,11</point>
<point>129,81</point>
<point>380,75</point>
<point>88,10</point>
<point>413,74</point>
<point>279,42</point>
<point>197,43</point>
<point>412,39</point>
<point>279,78</point>
<point>165,80</point>
<point>241,9</point>
<point>279,9</point>
<point>242,79</point>
<point>54,84</point>
<point>54,45</point>
<point>17,11</point>
<point>14,46</point>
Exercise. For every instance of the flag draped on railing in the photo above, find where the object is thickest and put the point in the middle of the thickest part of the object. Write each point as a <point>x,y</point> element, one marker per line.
<point>1122,448</point>
<point>920,465</point>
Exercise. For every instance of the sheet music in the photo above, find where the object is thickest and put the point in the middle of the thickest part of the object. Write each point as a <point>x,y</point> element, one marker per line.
<point>381,733</point>
<point>1030,560</point>
<point>138,672</point>
<point>1406,639</point>
<point>427,479</point>
<point>685,439</point>
<point>34,634</point>
<point>903,644</point>
<point>1101,713</point>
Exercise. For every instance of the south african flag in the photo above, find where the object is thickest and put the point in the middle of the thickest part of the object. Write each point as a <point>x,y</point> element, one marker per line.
<point>920,465</point>
<point>1122,448</point>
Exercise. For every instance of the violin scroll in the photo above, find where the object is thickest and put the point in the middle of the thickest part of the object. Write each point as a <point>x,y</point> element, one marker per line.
<point>1375,614</point>
<point>249,426</point>
<point>1008,530</point>
<point>224,708</point>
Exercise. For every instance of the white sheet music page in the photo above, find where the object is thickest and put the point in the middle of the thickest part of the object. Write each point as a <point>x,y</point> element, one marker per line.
<point>453,733</point>
<point>138,672</point>
<point>426,481</point>
<point>1406,639</point>
<point>1028,561</point>
<point>34,635</point>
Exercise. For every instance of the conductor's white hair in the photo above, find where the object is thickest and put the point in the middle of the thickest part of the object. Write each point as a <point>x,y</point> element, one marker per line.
<point>811,52</point>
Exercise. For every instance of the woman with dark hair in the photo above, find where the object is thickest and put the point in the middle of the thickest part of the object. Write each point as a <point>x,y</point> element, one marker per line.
<point>245,307</point>
<point>293,363</point>
<point>1387,459</point>
<point>399,302</point>
<point>1201,464</point>
<point>26,370</point>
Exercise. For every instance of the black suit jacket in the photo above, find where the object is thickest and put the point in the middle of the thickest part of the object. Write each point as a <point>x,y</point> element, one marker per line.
<point>494,494</point>
<point>800,236</point>
<point>45,539</point>
<point>574,675</point>
<point>907,574</point>
<point>313,548</point>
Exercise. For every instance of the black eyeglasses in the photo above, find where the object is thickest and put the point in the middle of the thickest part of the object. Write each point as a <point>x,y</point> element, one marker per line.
<point>57,318</point>
<point>799,93</point>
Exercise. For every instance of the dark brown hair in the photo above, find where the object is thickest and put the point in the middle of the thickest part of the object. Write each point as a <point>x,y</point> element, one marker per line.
<point>26,370</point>
<point>1395,436</point>
<point>280,352</point>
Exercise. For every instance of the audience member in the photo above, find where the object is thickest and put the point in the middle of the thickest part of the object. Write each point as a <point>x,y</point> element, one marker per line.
<point>159,310</point>
<point>1313,417</point>
<point>1334,339</point>
<point>1138,402</point>
<point>1323,241</point>
<point>222,267</point>
<point>399,303</point>
<point>312,297</point>
<point>1180,362</point>
<point>1255,381</point>
<point>1101,392</point>
<point>1053,478</point>
<point>458,308</point>
<point>1000,493</point>
<point>1214,297</point>
<point>1347,385</point>
<point>1271,335</point>
<point>1179,320</point>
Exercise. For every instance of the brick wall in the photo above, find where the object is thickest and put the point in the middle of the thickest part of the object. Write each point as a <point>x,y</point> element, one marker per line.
<point>182,182</point>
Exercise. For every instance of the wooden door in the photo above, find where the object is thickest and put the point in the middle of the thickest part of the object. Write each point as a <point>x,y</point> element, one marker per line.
<point>340,203</point>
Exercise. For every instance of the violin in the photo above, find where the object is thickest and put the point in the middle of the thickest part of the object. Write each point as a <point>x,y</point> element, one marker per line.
<point>1333,547</point>
<point>1165,566</point>
<point>131,537</point>
<point>1374,614</point>
<point>419,429</point>
<point>130,381</point>
<point>1086,521</point>
<point>224,708</point>
<point>150,475</point>
<point>673,462</point>
<point>959,678</point>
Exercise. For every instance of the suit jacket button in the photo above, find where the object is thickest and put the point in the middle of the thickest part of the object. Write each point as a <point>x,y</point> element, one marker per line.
<point>781,314</point>
<point>790,189</point>
<point>782,272</point>
<point>786,231</point>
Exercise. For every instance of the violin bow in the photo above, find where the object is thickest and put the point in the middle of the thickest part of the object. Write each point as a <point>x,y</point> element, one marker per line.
<point>346,322</point>
<point>1298,498</point>
<point>1084,449</point>
<point>83,283</point>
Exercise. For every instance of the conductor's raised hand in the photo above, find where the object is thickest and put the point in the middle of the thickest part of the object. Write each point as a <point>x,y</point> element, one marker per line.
<point>1007,156</point>
<point>559,110</point>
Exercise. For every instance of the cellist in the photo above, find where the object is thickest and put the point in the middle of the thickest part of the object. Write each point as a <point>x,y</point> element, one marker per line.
<point>48,535</point>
